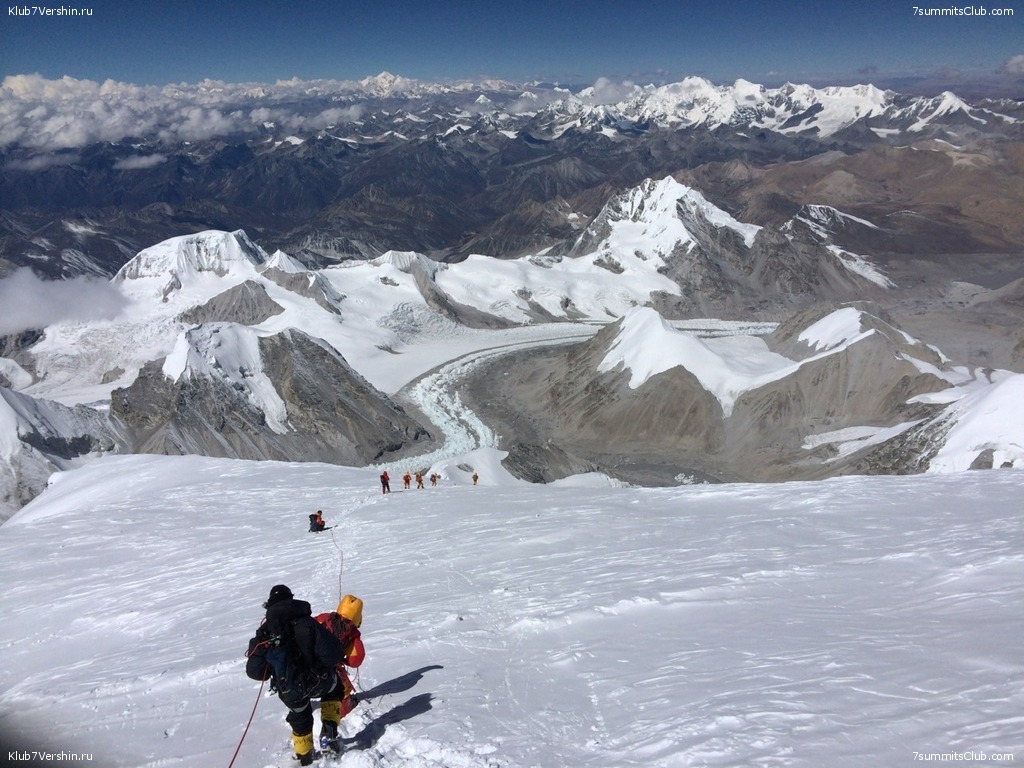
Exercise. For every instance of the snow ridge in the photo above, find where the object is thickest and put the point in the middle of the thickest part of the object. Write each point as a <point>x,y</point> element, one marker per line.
<point>229,352</point>
<point>186,258</point>
<point>651,220</point>
<point>647,345</point>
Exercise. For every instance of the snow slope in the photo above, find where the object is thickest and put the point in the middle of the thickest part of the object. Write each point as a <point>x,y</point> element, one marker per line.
<point>726,366</point>
<point>851,622</point>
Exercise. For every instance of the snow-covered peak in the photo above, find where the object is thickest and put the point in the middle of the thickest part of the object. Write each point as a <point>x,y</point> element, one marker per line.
<point>947,102</point>
<point>836,329</point>
<point>406,261</point>
<point>792,108</point>
<point>184,258</point>
<point>692,101</point>
<point>282,261</point>
<point>828,110</point>
<point>745,91</point>
<point>649,218</point>
<point>943,105</point>
<point>865,95</point>
<point>385,83</point>
<point>727,367</point>
<point>647,345</point>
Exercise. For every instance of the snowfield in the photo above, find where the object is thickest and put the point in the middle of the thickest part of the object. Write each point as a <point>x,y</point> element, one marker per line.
<point>851,622</point>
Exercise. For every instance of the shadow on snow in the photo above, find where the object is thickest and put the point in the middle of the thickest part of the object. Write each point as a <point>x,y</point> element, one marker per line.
<point>407,710</point>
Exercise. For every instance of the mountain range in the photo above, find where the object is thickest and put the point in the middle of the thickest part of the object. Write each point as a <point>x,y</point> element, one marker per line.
<point>457,267</point>
<point>221,349</point>
<point>494,168</point>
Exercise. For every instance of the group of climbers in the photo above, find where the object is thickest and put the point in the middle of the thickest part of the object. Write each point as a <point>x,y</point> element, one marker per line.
<point>407,478</point>
<point>307,657</point>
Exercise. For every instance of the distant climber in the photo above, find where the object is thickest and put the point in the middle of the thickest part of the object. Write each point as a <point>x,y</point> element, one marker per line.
<point>316,522</point>
<point>434,477</point>
<point>300,657</point>
<point>475,477</point>
<point>407,480</point>
<point>385,482</point>
<point>419,479</point>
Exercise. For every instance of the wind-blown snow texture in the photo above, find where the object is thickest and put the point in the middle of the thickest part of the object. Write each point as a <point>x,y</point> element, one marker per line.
<point>850,622</point>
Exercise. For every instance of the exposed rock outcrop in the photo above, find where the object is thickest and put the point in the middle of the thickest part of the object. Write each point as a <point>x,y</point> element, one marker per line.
<point>287,397</point>
<point>40,437</point>
<point>247,303</point>
<point>309,285</point>
<point>833,380</point>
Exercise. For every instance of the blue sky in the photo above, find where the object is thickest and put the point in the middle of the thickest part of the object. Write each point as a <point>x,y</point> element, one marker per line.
<point>573,42</point>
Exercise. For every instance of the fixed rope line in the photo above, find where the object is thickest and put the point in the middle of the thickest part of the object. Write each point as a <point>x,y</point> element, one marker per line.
<point>341,563</point>
<point>252,714</point>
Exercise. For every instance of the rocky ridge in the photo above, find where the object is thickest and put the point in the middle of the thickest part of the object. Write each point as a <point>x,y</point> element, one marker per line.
<point>869,403</point>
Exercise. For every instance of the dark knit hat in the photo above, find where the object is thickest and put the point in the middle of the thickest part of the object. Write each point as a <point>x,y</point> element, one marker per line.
<point>278,593</point>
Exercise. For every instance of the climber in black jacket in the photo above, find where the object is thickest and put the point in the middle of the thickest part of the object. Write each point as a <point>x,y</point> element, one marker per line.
<point>300,658</point>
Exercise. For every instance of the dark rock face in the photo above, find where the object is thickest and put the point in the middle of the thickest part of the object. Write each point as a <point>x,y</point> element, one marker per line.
<point>555,399</point>
<point>330,402</point>
<point>246,303</point>
<point>17,347</point>
<point>543,463</point>
<point>333,414</point>
<point>671,427</point>
<point>309,285</point>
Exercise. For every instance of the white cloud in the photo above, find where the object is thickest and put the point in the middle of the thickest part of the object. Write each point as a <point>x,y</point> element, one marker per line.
<point>49,115</point>
<point>41,162</point>
<point>67,113</point>
<point>138,162</point>
<point>1014,65</point>
<point>605,91</point>
<point>30,302</point>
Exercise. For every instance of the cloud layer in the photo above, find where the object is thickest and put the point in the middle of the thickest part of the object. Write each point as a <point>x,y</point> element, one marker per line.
<point>1014,65</point>
<point>30,302</point>
<point>60,114</point>
<point>50,115</point>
